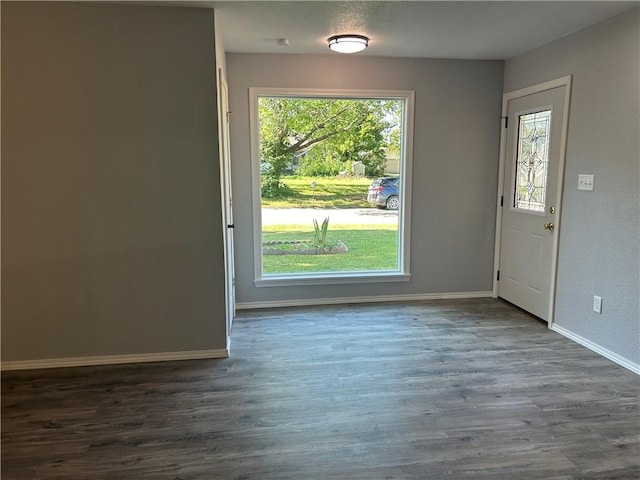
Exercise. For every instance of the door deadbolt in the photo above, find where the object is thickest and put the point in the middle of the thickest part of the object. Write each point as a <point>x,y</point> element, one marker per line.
<point>552,209</point>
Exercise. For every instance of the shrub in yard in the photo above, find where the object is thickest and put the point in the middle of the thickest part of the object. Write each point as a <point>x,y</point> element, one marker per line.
<point>326,165</point>
<point>320,234</point>
<point>274,188</point>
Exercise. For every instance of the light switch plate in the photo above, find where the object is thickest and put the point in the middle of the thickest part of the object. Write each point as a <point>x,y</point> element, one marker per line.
<point>597,304</point>
<point>585,182</point>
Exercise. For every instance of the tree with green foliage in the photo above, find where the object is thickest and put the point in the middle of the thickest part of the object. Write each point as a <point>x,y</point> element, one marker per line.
<point>325,135</point>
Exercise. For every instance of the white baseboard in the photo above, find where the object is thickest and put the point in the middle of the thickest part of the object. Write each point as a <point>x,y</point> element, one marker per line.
<point>368,299</point>
<point>113,359</point>
<point>614,357</point>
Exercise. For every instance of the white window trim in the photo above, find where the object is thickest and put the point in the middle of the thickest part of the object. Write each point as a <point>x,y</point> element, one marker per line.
<point>328,278</point>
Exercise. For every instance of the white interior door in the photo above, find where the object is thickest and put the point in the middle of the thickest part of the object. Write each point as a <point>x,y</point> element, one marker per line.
<point>228,202</point>
<point>530,213</point>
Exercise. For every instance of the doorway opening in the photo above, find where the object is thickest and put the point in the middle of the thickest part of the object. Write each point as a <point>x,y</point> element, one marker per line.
<point>528,219</point>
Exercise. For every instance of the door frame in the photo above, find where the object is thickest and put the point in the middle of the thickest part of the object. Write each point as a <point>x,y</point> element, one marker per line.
<point>506,98</point>
<point>227,208</point>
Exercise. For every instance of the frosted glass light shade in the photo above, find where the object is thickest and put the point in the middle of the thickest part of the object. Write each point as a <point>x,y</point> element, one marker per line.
<point>348,43</point>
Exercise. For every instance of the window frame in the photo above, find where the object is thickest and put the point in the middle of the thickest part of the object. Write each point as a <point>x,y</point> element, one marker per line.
<point>514,176</point>
<point>402,274</point>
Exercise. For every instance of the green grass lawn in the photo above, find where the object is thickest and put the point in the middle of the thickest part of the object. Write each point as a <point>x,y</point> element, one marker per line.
<point>330,192</point>
<point>371,248</point>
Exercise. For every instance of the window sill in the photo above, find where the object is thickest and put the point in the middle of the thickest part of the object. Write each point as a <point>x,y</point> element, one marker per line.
<point>331,279</point>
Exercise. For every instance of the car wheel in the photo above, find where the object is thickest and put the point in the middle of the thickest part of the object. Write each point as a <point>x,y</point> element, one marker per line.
<point>393,203</point>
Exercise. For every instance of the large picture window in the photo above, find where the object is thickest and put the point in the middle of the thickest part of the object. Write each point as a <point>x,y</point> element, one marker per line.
<point>331,185</point>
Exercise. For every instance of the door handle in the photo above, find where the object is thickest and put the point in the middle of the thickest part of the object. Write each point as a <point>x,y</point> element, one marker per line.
<point>233,226</point>
<point>548,226</point>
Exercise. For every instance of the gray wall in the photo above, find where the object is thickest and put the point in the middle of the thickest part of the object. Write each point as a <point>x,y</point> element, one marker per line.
<point>111,217</point>
<point>455,161</point>
<point>599,236</point>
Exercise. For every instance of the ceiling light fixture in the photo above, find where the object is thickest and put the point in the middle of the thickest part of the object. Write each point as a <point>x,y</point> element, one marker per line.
<point>348,43</point>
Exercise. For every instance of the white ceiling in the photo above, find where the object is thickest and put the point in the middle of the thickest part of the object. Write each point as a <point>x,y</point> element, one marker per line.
<point>440,29</point>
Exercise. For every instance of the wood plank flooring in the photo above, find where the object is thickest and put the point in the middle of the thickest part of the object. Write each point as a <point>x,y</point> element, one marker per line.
<point>469,389</point>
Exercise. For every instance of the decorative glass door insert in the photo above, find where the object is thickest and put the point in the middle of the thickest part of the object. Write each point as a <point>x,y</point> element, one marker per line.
<point>532,160</point>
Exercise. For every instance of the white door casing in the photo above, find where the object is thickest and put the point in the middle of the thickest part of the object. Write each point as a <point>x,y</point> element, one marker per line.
<point>227,210</point>
<point>528,221</point>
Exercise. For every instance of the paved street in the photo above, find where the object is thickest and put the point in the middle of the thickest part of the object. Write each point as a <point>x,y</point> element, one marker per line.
<point>302,216</point>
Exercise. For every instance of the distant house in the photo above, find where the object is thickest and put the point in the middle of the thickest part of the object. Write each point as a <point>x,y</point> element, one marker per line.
<point>393,163</point>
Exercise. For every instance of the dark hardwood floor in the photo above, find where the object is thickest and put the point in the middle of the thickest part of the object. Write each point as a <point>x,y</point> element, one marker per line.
<point>445,389</point>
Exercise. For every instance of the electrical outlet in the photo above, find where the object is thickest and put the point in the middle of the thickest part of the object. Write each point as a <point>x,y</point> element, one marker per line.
<point>597,304</point>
